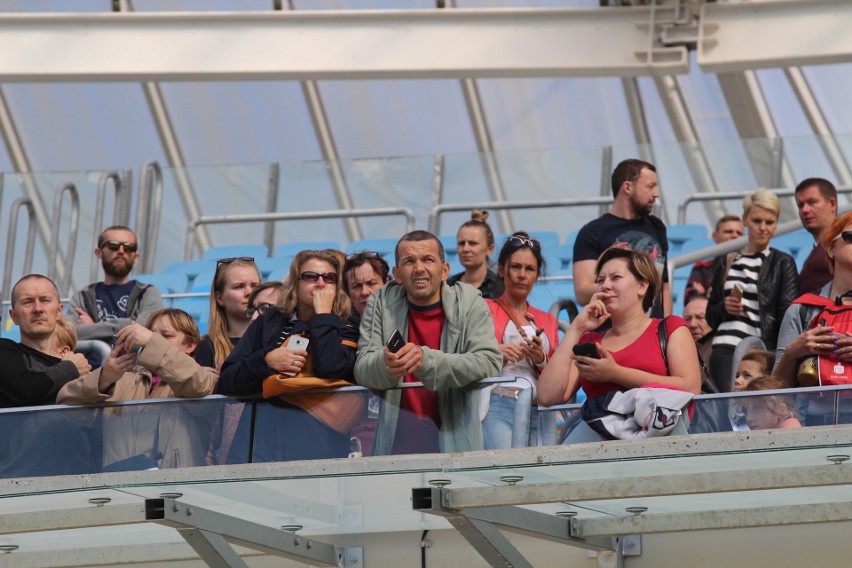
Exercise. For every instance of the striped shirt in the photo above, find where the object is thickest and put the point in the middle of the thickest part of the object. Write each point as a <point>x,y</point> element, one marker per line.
<point>744,272</point>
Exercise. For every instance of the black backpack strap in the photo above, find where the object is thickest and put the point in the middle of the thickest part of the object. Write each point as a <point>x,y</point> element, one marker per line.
<point>662,332</point>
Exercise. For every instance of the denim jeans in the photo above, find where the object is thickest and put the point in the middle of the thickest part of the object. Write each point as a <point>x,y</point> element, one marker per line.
<point>513,423</point>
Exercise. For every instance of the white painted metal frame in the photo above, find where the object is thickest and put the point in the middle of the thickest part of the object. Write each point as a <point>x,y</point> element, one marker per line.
<point>335,45</point>
<point>752,35</point>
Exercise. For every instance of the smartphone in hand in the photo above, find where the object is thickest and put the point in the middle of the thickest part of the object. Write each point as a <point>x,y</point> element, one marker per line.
<point>737,292</point>
<point>395,341</point>
<point>296,342</point>
<point>587,350</point>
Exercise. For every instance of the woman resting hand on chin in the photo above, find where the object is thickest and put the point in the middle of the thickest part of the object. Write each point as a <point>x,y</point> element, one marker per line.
<point>629,352</point>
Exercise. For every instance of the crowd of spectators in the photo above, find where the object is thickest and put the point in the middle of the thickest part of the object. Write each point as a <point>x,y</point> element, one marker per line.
<point>338,320</point>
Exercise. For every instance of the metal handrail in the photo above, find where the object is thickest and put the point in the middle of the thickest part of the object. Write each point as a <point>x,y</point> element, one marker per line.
<point>271,206</point>
<point>148,212</point>
<point>731,195</point>
<point>437,211</point>
<point>292,216</point>
<point>63,277</point>
<point>121,214</point>
<point>10,241</point>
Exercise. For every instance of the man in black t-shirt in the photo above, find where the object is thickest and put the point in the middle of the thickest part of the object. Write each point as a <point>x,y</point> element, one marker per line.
<point>101,309</point>
<point>628,223</point>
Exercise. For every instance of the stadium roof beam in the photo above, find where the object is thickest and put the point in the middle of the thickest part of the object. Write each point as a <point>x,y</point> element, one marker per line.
<point>297,45</point>
<point>753,35</point>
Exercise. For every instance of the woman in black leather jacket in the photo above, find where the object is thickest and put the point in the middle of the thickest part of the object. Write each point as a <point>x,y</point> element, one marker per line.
<point>751,289</point>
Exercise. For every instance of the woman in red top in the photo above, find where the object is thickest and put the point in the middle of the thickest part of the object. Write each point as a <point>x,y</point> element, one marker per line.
<point>629,354</point>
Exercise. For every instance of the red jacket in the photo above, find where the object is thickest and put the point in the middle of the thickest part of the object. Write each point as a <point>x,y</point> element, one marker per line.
<point>542,320</point>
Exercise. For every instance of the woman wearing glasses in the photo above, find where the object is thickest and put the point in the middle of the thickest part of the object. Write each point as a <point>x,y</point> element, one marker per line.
<point>475,244</point>
<point>233,283</point>
<point>311,306</point>
<point>797,340</point>
<point>526,336</point>
<point>262,298</point>
<point>751,289</point>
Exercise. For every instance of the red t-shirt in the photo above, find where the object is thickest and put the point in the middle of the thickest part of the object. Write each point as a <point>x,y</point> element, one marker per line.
<point>419,418</point>
<point>643,354</point>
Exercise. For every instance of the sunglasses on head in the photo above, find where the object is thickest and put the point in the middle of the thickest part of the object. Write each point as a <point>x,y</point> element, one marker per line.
<point>260,308</point>
<point>521,241</point>
<point>362,254</point>
<point>223,261</point>
<point>310,276</point>
<point>115,245</point>
<point>845,235</point>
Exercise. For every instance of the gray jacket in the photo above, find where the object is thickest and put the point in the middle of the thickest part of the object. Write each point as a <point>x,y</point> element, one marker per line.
<point>144,300</point>
<point>469,352</point>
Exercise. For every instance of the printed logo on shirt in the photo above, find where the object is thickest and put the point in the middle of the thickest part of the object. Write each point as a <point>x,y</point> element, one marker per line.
<point>637,240</point>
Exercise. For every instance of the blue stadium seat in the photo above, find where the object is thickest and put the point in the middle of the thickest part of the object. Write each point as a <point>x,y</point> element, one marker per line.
<point>559,260</point>
<point>203,282</point>
<point>449,242</point>
<point>679,235</point>
<point>384,247</point>
<point>693,245</point>
<point>274,264</point>
<point>291,249</point>
<point>11,331</point>
<point>235,251</point>
<point>792,243</point>
<point>166,282</point>
<point>190,270</point>
<point>279,274</point>
<point>547,239</point>
<point>570,238</point>
<point>545,293</point>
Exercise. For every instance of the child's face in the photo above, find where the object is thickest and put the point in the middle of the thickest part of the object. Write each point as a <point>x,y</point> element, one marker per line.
<point>760,417</point>
<point>747,372</point>
<point>164,327</point>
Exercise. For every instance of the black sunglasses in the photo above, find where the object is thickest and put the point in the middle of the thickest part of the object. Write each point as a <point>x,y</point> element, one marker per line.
<point>520,241</point>
<point>260,308</point>
<point>327,277</point>
<point>845,235</point>
<point>223,261</point>
<point>115,245</point>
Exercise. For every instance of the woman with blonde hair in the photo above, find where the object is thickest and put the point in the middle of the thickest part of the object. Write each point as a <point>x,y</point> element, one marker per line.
<point>311,306</point>
<point>475,244</point>
<point>751,290</point>
<point>233,283</point>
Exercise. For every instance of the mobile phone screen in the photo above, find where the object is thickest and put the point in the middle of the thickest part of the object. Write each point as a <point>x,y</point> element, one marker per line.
<point>395,341</point>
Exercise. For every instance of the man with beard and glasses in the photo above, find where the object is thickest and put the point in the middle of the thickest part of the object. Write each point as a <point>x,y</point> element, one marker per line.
<point>100,309</point>
<point>628,224</point>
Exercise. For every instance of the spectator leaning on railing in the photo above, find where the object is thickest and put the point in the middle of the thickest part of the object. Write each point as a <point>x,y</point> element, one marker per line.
<point>447,343</point>
<point>152,361</point>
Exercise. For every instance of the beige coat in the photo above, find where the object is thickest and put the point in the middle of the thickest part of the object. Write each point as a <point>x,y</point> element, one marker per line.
<point>172,434</point>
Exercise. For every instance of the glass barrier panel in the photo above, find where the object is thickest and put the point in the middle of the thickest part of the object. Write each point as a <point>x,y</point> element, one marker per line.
<point>307,425</point>
<point>358,422</point>
<point>136,435</point>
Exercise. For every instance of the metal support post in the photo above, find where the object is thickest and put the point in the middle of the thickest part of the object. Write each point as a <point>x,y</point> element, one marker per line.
<point>235,530</point>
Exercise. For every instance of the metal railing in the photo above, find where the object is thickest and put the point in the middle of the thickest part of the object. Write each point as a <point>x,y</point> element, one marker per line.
<point>293,216</point>
<point>121,214</point>
<point>732,195</point>
<point>437,211</point>
<point>61,274</point>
